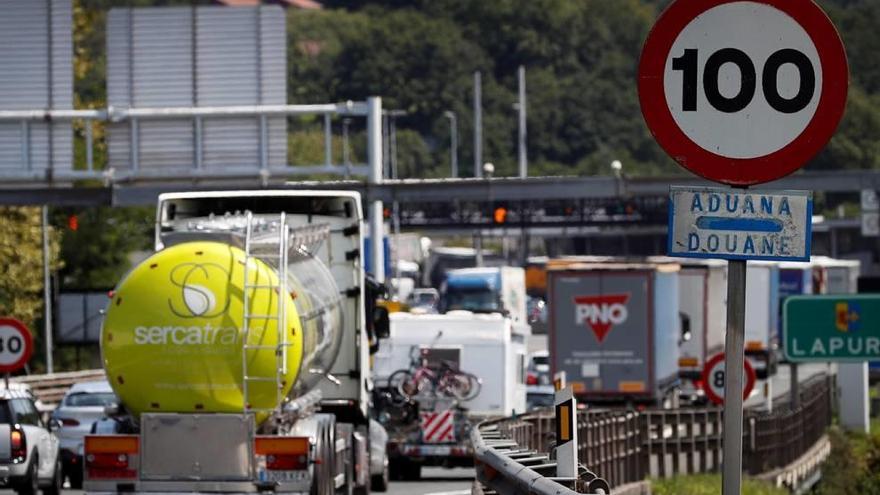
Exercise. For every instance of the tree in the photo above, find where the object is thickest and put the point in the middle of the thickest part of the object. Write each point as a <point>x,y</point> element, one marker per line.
<point>21,263</point>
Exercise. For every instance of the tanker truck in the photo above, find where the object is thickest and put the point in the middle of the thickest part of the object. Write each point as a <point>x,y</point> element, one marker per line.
<point>240,350</point>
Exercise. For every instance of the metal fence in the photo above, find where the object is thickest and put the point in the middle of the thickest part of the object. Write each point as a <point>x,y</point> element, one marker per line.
<point>626,447</point>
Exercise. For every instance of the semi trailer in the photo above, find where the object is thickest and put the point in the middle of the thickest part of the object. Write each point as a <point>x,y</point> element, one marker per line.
<point>615,329</point>
<point>240,350</point>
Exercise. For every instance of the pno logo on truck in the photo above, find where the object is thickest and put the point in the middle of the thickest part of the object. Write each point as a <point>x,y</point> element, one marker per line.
<point>601,313</point>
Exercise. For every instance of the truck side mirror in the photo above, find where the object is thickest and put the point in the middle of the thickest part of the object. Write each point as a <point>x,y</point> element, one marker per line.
<point>381,322</point>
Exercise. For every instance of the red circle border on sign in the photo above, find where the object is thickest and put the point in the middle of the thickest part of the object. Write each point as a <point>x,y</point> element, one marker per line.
<point>743,171</point>
<point>28,345</point>
<point>747,389</point>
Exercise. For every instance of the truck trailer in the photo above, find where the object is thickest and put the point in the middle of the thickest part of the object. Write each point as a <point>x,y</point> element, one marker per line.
<point>240,350</point>
<point>615,329</point>
<point>433,427</point>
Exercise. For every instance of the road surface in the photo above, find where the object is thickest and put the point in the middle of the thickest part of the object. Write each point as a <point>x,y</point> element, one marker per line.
<point>436,481</point>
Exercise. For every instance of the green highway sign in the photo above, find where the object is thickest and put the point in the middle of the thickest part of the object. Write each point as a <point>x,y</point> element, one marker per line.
<point>832,328</point>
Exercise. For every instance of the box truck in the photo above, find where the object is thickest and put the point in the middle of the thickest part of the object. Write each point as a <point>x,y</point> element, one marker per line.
<point>702,289</point>
<point>762,316</point>
<point>431,426</point>
<point>240,350</point>
<point>615,329</point>
<point>486,290</point>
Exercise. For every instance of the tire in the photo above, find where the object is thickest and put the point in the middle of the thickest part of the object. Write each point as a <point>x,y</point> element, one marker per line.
<point>380,482</point>
<point>29,484</point>
<point>75,476</point>
<point>402,381</point>
<point>412,471</point>
<point>57,480</point>
<point>474,385</point>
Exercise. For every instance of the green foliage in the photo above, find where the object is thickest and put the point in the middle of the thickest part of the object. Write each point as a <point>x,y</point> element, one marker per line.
<point>709,484</point>
<point>21,263</point>
<point>853,468</point>
<point>96,253</point>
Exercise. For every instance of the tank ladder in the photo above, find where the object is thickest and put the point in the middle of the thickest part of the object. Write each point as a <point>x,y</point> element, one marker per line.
<point>253,243</point>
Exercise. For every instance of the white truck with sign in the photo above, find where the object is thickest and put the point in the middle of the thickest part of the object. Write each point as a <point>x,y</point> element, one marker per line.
<point>615,329</point>
<point>240,350</point>
<point>432,425</point>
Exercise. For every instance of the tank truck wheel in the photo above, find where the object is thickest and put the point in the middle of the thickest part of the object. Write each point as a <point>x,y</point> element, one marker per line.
<point>323,480</point>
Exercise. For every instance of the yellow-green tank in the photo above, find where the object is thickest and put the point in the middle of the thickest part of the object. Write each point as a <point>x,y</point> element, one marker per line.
<point>172,336</point>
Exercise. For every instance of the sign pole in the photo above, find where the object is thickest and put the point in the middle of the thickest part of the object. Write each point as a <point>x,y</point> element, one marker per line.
<point>733,378</point>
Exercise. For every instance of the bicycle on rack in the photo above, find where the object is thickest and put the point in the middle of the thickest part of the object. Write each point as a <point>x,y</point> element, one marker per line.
<point>445,379</point>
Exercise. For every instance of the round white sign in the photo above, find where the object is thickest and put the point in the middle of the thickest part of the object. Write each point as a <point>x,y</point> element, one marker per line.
<point>743,80</point>
<point>14,345</point>
<point>713,379</point>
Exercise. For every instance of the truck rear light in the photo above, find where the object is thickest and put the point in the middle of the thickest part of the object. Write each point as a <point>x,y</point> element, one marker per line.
<point>283,453</point>
<point>110,456</point>
<point>18,445</point>
<point>754,345</point>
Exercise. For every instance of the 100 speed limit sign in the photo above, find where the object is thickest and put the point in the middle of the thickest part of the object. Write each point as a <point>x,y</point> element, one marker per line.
<point>743,92</point>
<point>16,345</point>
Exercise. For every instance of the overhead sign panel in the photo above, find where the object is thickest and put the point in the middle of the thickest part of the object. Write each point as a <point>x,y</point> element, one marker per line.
<point>832,328</point>
<point>710,222</point>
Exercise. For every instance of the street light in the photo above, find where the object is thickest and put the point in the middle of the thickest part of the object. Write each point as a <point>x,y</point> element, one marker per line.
<point>453,142</point>
<point>488,169</point>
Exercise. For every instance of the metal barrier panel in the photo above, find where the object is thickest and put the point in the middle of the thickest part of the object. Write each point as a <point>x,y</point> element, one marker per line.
<point>196,57</point>
<point>36,60</point>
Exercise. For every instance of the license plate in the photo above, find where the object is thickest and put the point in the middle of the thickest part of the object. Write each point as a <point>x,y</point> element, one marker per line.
<point>283,476</point>
<point>428,450</point>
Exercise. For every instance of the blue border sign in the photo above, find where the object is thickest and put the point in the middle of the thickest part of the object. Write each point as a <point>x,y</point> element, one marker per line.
<point>739,224</point>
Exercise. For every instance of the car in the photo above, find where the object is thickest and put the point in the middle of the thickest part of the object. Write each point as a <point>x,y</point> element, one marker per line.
<point>423,300</point>
<point>30,457</point>
<point>81,407</point>
<point>538,370</point>
<point>379,470</point>
<point>26,388</point>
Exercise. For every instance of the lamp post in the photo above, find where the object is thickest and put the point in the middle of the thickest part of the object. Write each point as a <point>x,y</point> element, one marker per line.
<point>453,142</point>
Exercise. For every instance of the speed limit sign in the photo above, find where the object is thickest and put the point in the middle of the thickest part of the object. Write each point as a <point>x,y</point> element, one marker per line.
<point>713,379</point>
<point>16,345</point>
<point>743,92</point>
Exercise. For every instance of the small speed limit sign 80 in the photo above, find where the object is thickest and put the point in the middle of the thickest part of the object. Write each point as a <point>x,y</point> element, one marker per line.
<point>16,345</point>
<point>743,92</point>
<point>713,379</point>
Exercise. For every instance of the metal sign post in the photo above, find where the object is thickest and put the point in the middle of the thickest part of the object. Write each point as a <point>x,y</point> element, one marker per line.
<point>734,346</point>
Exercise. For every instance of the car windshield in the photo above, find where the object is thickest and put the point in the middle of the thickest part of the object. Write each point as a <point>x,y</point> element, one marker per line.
<point>86,399</point>
<point>472,300</point>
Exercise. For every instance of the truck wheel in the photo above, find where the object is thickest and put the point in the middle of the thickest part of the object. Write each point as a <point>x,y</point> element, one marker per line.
<point>380,481</point>
<point>412,471</point>
<point>323,479</point>
<point>75,476</point>
<point>29,484</point>
<point>57,480</point>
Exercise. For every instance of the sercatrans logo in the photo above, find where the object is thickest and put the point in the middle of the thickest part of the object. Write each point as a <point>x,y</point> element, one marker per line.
<point>195,299</point>
<point>601,313</point>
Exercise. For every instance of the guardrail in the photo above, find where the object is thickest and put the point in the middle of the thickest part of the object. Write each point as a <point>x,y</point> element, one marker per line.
<point>786,446</point>
<point>50,388</point>
<point>509,460</point>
